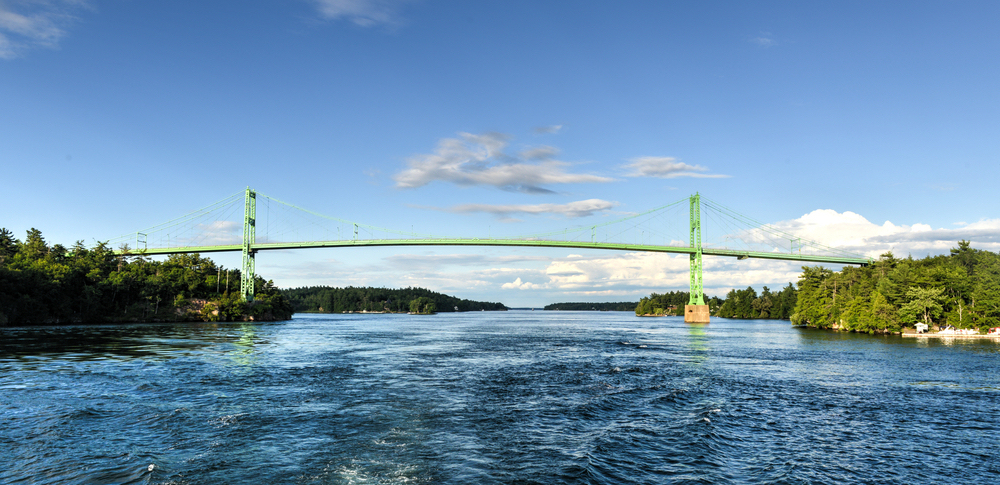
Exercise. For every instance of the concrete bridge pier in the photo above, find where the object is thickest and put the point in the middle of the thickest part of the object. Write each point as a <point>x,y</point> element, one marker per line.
<point>696,314</point>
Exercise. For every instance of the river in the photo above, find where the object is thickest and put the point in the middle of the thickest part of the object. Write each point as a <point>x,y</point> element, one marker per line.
<point>493,397</point>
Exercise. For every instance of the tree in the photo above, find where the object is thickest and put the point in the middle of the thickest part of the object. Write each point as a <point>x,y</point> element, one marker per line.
<point>728,308</point>
<point>787,299</point>
<point>857,315</point>
<point>8,245</point>
<point>744,307</point>
<point>986,290</point>
<point>883,315</point>
<point>813,303</point>
<point>965,256</point>
<point>961,316</point>
<point>922,303</point>
<point>34,246</point>
<point>422,305</point>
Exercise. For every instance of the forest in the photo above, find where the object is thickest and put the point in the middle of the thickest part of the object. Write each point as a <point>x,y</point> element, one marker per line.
<point>743,304</point>
<point>961,289</point>
<point>43,284</point>
<point>622,306</point>
<point>747,304</point>
<point>671,303</point>
<point>326,299</point>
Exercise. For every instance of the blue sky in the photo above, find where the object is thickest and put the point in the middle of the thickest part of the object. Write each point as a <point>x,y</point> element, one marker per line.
<point>868,125</point>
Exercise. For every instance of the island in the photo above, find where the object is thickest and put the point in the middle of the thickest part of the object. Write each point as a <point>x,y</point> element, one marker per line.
<point>42,284</point>
<point>955,291</point>
<point>621,306</point>
<point>351,299</point>
<point>952,295</point>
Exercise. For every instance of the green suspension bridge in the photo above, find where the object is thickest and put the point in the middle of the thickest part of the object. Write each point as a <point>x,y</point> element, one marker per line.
<point>216,228</point>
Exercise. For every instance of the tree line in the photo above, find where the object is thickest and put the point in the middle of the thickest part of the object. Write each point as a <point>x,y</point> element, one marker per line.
<point>671,303</point>
<point>621,306</point>
<point>961,289</point>
<point>43,284</point>
<point>327,299</point>
<point>747,304</point>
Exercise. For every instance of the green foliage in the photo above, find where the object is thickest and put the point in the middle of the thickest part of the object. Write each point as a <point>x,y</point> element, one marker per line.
<point>422,305</point>
<point>922,304</point>
<point>8,245</point>
<point>228,308</point>
<point>883,316</point>
<point>354,299</point>
<point>813,302</point>
<point>42,284</point>
<point>960,289</point>
<point>747,304</point>
<point>671,303</point>
<point>985,293</point>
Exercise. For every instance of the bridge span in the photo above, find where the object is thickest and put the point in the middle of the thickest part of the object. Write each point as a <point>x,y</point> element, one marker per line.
<point>697,310</point>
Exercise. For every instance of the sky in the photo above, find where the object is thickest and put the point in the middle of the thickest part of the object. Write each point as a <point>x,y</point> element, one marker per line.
<point>872,126</point>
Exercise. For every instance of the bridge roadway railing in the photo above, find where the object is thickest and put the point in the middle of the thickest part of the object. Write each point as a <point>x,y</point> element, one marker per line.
<point>504,242</point>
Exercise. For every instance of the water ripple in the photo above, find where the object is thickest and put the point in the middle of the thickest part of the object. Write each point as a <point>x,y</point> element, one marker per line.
<point>515,397</point>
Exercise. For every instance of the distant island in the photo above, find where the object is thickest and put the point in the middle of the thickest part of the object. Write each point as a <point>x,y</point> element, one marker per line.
<point>623,306</point>
<point>328,299</point>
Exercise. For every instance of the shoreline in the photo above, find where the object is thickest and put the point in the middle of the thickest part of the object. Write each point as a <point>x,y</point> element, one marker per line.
<point>951,335</point>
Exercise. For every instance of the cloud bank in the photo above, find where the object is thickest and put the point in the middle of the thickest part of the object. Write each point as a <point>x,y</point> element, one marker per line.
<point>482,160</point>
<point>853,232</point>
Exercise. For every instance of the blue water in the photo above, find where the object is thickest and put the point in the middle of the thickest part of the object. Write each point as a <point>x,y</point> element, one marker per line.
<point>505,397</point>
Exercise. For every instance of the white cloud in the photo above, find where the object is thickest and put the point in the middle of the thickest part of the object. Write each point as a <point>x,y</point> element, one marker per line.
<point>765,39</point>
<point>33,23</point>
<point>666,167</point>
<point>539,153</point>
<point>481,160</point>
<point>519,285</point>
<point>636,274</point>
<point>580,208</point>
<point>365,13</point>
<point>548,130</point>
<point>853,232</point>
<point>218,233</point>
<point>425,262</point>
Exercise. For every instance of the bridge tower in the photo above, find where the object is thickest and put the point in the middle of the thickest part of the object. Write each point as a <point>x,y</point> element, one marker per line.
<point>696,311</point>
<point>249,233</point>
